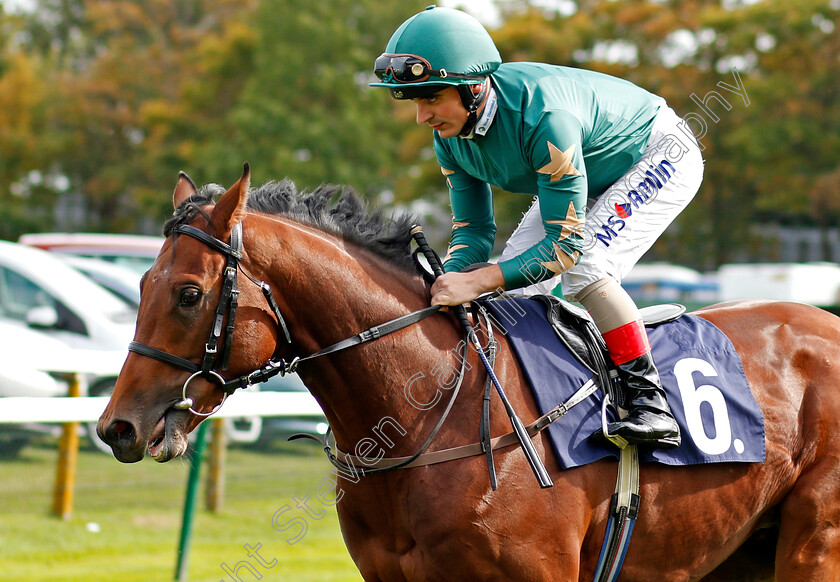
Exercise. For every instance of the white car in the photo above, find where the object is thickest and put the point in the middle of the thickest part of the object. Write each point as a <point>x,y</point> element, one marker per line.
<point>119,280</point>
<point>133,251</point>
<point>38,290</point>
<point>34,365</point>
<point>18,375</point>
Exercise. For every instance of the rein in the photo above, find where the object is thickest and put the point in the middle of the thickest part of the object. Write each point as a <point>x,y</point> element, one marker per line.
<point>228,301</point>
<point>347,462</point>
<point>214,351</point>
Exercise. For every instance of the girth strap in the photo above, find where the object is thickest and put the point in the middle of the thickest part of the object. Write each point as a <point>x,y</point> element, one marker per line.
<point>624,509</point>
<point>434,457</point>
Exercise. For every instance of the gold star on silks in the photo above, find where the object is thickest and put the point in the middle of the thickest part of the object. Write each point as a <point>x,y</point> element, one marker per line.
<point>571,224</point>
<point>456,225</point>
<point>447,173</point>
<point>561,163</point>
<point>564,261</point>
<point>450,249</point>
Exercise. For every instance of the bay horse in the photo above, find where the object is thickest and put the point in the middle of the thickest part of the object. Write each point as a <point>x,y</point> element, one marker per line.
<point>336,269</point>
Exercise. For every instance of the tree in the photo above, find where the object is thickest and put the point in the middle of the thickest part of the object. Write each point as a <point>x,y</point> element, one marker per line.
<point>288,92</point>
<point>22,120</point>
<point>103,62</point>
<point>102,102</point>
<point>763,158</point>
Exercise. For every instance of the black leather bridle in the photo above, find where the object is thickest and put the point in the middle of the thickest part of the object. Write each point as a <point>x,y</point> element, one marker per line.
<point>216,353</point>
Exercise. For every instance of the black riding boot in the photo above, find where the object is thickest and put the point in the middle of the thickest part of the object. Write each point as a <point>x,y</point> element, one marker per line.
<point>649,421</point>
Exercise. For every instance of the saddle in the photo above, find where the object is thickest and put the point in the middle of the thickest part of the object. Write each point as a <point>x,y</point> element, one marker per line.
<point>577,331</point>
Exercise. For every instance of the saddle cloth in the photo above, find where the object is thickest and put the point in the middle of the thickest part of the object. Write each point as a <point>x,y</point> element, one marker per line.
<point>700,370</point>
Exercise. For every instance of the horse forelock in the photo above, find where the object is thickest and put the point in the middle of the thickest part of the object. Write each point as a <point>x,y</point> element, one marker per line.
<point>334,209</point>
<point>190,209</point>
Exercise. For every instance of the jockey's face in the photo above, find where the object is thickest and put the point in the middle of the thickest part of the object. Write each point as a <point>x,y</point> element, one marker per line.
<point>443,111</point>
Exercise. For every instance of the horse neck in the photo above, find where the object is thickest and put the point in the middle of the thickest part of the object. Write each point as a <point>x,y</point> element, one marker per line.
<point>330,290</point>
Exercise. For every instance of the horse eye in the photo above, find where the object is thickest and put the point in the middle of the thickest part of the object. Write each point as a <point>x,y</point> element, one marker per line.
<point>190,296</point>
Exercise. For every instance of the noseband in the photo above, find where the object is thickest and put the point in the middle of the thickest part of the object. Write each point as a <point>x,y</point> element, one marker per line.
<point>228,300</point>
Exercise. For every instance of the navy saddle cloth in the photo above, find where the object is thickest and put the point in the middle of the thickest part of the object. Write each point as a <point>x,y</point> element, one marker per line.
<point>700,370</point>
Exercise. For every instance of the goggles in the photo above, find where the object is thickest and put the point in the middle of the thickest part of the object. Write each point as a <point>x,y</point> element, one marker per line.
<point>410,69</point>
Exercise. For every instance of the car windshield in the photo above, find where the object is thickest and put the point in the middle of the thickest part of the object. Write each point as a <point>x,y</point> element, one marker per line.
<point>22,294</point>
<point>138,264</point>
<point>106,302</point>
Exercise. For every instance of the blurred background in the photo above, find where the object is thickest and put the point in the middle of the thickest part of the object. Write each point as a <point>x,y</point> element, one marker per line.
<point>102,103</point>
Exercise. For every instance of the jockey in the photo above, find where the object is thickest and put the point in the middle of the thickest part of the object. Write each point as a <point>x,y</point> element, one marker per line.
<point>573,139</point>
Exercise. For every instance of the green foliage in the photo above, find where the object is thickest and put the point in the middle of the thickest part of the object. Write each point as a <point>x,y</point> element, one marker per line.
<point>773,159</point>
<point>306,110</point>
<point>102,103</point>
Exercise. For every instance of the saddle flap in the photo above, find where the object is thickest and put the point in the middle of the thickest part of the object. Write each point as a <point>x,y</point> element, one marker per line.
<point>575,328</point>
<point>701,373</point>
<point>578,332</point>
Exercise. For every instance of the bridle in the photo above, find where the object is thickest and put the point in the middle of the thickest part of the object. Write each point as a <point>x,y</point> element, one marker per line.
<point>276,365</point>
<point>228,301</point>
<point>216,352</point>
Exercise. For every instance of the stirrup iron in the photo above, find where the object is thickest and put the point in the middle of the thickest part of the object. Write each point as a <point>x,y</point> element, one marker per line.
<point>615,439</point>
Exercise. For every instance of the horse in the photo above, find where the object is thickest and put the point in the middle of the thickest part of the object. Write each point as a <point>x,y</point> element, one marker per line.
<point>335,268</point>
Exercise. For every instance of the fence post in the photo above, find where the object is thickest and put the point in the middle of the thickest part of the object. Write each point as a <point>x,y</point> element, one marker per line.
<point>215,491</point>
<point>181,567</point>
<point>68,456</point>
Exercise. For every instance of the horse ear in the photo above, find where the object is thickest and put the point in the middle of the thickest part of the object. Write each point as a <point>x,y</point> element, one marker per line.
<point>183,189</point>
<point>230,208</point>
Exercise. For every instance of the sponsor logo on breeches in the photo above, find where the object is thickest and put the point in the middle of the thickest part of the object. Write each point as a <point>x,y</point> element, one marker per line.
<point>625,203</point>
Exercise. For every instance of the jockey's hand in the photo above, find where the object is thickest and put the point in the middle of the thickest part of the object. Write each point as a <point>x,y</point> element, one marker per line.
<point>458,288</point>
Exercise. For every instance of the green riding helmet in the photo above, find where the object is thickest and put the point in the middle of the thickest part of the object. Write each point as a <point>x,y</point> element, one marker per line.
<point>436,48</point>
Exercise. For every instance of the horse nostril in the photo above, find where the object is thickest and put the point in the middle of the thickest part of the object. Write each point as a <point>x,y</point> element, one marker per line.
<point>119,434</point>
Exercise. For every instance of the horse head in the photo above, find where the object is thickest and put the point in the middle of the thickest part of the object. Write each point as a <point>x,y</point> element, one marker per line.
<point>156,403</point>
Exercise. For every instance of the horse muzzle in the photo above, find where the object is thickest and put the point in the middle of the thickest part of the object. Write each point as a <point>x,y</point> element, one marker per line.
<point>166,440</point>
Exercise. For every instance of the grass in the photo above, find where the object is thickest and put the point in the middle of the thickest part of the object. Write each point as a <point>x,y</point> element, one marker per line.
<point>127,518</point>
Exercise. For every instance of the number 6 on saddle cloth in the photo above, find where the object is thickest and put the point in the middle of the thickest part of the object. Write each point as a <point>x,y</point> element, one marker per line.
<point>701,372</point>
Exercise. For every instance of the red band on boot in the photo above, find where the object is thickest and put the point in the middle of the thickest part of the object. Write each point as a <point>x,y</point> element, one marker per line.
<point>627,342</point>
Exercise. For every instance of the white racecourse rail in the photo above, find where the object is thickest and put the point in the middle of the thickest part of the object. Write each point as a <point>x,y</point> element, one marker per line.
<point>21,409</point>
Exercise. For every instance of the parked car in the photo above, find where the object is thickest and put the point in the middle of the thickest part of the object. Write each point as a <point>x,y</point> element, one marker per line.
<point>41,293</point>
<point>119,280</point>
<point>18,375</point>
<point>651,283</point>
<point>136,252</point>
<point>38,290</point>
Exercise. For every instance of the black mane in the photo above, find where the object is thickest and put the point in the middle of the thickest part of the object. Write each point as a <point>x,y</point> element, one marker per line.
<point>334,209</point>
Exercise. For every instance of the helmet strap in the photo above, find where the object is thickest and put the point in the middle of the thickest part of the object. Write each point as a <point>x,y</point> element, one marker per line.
<point>472,102</point>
